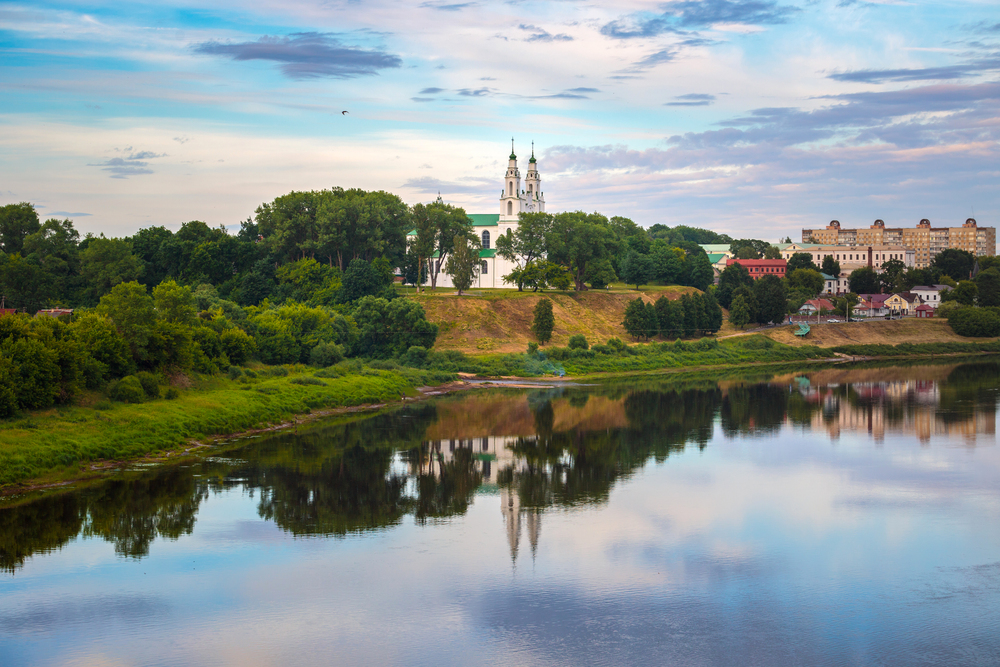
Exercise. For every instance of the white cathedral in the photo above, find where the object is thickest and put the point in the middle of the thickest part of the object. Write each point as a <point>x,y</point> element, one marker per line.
<point>488,226</point>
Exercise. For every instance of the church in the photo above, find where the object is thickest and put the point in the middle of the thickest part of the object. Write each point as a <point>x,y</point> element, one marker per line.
<point>514,200</point>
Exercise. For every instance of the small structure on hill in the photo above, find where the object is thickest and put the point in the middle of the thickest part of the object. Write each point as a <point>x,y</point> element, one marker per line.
<point>923,310</point>
<point>54,312</point>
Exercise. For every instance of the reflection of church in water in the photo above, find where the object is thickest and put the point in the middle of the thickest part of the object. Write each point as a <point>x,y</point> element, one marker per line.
<point>492,454</point>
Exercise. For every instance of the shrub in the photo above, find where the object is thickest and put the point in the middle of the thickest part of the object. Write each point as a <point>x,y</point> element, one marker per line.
<point>603,349</point>
<point>307,380</point>
<point>126,390</point>
<point>532,347</point>
<point>234,372</point>
<point>150,384</point>
<point>578,342</point>
<point>384,364</point>
<point>237,345</point>
<point>617,344</point>
<point>171,393</point>
<point>416,356</point>
<point>326,354</point>
<point>974,322</point>
<point>543,322</point>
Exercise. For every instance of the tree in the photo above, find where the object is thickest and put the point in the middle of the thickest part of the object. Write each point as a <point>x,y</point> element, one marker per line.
<point>748,248</point>
<point>739,312</point>
<point>700,272</point>
<point>539,274</point>
<point>864,281</point>
<point>17,222</point>
<point>390,328</point>
<point>771,299</point>
<point>665,317</point>
<point>772,252</point>
<point>578,239</point>
<point>437,227</point>
<point>733,276</point>
<point>106,263</point>
<point>801,260</point>
<point>174,303</point>
<point>636,269</point>
<point>132,310</point>
<point>891,277</point>
<point>988,284</point>
<point>637,320</point>
<point>831,267</point>
<point>525,244</point>
<point>667,262</point>
<point>359,280</point>
<point>600,273</point>
<point>690,315</point>
<point>807,280</point>
<point>463,264</point>
<point>544,321</point>
<point>955,263</point>
<point>965,293</point>
<point>713,312</point>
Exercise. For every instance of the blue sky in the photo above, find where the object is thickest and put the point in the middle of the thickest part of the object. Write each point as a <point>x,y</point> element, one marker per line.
<point>755,117</point>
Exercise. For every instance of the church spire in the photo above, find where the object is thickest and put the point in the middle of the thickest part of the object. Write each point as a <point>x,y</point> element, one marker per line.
<point>512,156</point>
<point>532,160</point>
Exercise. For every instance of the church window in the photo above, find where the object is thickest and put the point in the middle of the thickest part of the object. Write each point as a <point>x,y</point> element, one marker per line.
<point>529,187</point>
<point>485,268</point>
<point>510,207</point>
<point>486,240</point>
<point>510,187</point>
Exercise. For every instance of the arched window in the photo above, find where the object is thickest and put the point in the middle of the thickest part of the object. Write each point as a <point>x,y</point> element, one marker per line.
<point>510,187</point>
<point>485,268</point>
<point>486,240</point>
<point>529,187</point>
<point>510,207</point>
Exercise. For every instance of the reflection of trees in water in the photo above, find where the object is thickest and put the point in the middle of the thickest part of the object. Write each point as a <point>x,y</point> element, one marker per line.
<point>337,479</point>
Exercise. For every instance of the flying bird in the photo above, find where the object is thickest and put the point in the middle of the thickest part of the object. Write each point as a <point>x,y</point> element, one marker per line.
<point>343,113</point>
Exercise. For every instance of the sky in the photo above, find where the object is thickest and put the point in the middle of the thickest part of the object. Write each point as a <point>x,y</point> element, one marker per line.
<point>754,118</point>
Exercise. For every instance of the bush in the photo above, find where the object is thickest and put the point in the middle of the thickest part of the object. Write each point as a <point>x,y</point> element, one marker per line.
<point>237,345</point>
<point>532,347</point>
<point>578,342</point>
<point>544,321</point>
<point>617,344</point>
<point>977,322</point>
<point>416,356</point>
<point>307,380</point>
<point>234,372</point>
<point>127,390</point>
<point>326,354</point>
<point>383,364</point>
<point>171,393</point>
<point>150,384</point>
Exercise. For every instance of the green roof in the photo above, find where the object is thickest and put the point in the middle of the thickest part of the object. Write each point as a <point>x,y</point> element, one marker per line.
<point>412,232</point>
<point>485,219</point>
<point>784,246</point>
<point>487,252</point>
<point>715,247</point>
<point>715,257</point>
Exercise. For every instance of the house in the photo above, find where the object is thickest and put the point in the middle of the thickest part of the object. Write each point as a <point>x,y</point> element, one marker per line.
<point>903,303</point>
<point>930,294</point>
<point>923,310</point>
<point>814,306</point>
<point>54,312</point>
<point>872,305</point>
<point>514,200</point>
<point>718,261</point>
<point>761,267</point>
<point>851,256</point>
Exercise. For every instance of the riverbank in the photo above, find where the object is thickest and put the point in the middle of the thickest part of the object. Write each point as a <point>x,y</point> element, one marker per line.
<point>69,442</point>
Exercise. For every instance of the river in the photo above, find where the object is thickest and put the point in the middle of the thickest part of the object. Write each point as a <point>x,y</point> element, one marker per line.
<point>840,516</point>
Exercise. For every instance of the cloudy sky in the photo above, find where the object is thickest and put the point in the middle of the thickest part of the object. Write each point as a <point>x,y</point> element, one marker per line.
<point>751,117</point>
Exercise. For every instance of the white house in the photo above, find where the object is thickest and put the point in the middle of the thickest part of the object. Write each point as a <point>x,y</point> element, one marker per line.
<point>514,200</point>
<point>931,294</point>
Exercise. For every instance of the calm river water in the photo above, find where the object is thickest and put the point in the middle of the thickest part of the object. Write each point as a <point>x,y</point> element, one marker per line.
<point>846,516</point>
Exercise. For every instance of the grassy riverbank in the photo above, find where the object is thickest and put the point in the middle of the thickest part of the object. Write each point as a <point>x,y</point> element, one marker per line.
<point>56,442</point>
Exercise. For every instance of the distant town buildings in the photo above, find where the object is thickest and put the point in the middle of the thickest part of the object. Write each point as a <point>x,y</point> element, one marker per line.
<point>761,267</point>
<point>852,257</point>
<point>924,240</point>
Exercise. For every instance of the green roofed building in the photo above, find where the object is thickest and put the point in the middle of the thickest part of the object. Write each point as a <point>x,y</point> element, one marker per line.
<point>515,199</point>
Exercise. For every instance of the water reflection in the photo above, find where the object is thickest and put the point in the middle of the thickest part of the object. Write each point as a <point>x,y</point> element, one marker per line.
<point>529,450</point>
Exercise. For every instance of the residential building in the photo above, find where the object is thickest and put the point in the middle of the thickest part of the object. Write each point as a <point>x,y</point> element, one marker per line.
<point>923,310</point>
<point>930,294</point>
<point>924,240</point>
<point>761,267</point>
<point>903,303</point>
<point>852,257</point>
<point>814,306</point>
<point>872,305</point>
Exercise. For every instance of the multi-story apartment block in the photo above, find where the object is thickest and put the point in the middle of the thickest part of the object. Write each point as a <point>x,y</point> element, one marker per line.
<point>924,240</point>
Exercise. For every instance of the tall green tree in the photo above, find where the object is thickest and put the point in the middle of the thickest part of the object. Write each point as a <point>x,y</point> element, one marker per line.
<point>463,264</point>
<point>831,267</point>
<point>17,222</point>
<point>733,276</point>
<point>544,321</point>
<point>578,239</point>
<point>864,280</point>
<point>739,312</point>
<point>988,284</point>
<point>636,269</point>
<point>801,260</point>
<point>526,244</point>
<point>105,263</point>
<point>890,279</point>
<point>954,263</point>
<point>437,226</point>
<point>771,299</point>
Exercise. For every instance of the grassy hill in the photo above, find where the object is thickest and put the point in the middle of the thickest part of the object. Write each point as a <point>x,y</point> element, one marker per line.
<point>891,332</point>
<point>485,321</point>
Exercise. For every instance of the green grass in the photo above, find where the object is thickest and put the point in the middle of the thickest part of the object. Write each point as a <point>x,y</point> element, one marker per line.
<point>57,441</point>
<point>916,349</point>
<point>633,358</point>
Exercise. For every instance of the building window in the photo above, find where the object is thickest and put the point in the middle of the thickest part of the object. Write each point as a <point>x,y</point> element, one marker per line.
<point>510,207</point>
<point>486,240</point>
<point>510,187</point>
<point>485,268</point>
<point>529,187</point>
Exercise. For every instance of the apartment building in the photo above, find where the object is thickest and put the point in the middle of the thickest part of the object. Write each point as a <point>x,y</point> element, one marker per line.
<point>924,240</point>
<point>851,257</point>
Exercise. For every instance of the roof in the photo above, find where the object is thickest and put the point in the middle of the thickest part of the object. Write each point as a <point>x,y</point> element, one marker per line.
<point>757,262</point>
<point>819,304</point>
<point>931,288</point>
<point>826,276</point>
<point>487,252</point>
<point>786,246</point>
<point>924,306</point>
<point>907,296</point>
<point>715,257</point>
<point>484,219</point>
<point>715,247</point>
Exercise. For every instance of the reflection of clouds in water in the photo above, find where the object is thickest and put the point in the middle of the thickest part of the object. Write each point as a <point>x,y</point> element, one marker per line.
<point>82,612</point>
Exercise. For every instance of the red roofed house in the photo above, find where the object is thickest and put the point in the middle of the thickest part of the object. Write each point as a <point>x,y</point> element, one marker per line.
<point>761,267</point>
<point>923,310</point>
<point>813,306</point>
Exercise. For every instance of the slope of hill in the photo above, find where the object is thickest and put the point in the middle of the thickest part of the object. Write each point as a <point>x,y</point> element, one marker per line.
<point>500,320</point>
<point>891,332</point>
